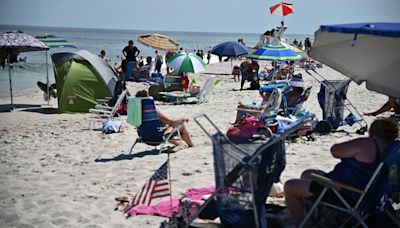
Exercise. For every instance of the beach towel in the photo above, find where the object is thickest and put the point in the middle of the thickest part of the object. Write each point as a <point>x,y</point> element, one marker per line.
<point>134,111</point>
<point>164,207</point>
<point>111,126</point>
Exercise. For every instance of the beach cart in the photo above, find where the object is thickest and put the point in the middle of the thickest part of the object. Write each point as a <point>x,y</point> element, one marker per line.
<point>333,102</point>
<point>244,174</point>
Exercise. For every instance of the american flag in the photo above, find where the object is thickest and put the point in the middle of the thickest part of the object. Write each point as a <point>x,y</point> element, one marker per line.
<point>156,187</point>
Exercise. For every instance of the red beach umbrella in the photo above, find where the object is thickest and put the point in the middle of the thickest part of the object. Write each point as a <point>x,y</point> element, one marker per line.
<point>282,9</point>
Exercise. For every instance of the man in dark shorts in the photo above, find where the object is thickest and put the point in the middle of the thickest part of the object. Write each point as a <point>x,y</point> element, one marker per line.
<point>130,52</point>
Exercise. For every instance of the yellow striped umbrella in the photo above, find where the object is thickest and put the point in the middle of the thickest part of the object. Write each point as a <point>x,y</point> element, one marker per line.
<point>159,41</point>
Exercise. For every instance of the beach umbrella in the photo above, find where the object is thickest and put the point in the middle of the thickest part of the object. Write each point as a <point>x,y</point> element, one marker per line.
<point>159,41</point>
<point>367,52</point>
<point>186,62</point>
<point>282,9</point>
<point>53,42</point>
<point>275,53</point>
<point>230,49</point>
<point>14,43</point>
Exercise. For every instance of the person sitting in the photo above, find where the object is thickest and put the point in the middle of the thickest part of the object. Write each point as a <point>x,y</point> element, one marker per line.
<point>359,159</point>
<point>146,70</point>
<point>392,105</point>
<point>103,56</point>
<point>169,123</point>
<point>249,71</point>
<point>296,91</point>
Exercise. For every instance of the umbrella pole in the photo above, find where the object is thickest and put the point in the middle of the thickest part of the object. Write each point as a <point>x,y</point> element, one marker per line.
<point>9,75</point>
<point>47,79</point>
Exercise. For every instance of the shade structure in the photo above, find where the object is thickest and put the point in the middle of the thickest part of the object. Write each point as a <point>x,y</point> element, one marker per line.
<point>55,42</point>
<point>159,41</point>
<point>282,9</point>
<point>186,62</point>
<point>275,53</point>
<point>230,49</point>
<point>367,52</point>
<point>15,42</point>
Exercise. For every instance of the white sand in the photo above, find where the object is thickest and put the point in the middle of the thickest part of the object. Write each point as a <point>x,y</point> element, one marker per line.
<point>50,178</point>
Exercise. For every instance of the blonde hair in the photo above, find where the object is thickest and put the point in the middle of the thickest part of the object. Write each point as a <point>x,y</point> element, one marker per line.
<point>385,128</point>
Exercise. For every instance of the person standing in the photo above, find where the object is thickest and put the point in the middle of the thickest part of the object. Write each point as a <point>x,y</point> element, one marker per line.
<point>103,56</point>
<point>130,52</point>
<point>159,61</point>
<point>307,45</point>
<point>168,56</point>
<point>208,56</point>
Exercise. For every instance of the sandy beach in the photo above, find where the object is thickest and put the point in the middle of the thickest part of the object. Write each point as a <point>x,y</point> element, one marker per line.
<point>55,172</point>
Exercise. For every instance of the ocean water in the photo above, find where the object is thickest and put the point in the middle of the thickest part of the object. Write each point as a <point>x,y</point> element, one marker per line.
<point>25,74</point>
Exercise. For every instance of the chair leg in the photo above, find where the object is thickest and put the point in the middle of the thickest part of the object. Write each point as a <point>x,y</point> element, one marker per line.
<point>130,151</point>
<point>314,206</point>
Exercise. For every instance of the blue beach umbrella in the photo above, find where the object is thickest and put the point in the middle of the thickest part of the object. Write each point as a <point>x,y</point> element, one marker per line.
<point>275,53</point>
<point>230,49</point>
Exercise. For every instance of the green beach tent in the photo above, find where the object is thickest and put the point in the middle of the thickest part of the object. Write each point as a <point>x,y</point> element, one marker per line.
<point>81,78</point>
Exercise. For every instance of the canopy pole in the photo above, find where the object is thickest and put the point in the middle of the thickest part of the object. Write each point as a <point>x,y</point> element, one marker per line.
<point>9,75</point>
<point>47,77</point>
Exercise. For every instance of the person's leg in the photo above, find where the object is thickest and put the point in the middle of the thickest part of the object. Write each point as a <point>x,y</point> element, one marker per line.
<point>307,173</point>
<point>242,81</point>
<point>295,191</point>
<point>186,136</point>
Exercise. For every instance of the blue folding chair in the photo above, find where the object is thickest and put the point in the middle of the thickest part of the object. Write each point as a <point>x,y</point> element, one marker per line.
<point>378,195</point>
<point>151,131</point>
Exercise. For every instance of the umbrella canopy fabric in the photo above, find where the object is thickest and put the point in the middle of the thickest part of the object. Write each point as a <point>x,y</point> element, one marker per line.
<point>15,42</point>
<point>186,62</point>
<point>275,53</point>
<point>21,42</point>
<point>159,41</point>
<point>55,42</point>
<point>363,52</point>
<point>230,49</point>
<point>282,9</point>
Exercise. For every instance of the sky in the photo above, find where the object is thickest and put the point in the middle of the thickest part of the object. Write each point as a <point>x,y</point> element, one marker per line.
<point>236,16</point>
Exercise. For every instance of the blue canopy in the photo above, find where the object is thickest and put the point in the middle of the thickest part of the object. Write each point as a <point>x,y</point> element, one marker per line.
<point>377,29</point>
<point>230,49</point>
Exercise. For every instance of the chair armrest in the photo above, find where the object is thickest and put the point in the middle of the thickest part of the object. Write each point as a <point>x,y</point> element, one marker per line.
<point>99,111</point>
<point>103,107</point>
<point>334,184</point>
<point>105,100</point>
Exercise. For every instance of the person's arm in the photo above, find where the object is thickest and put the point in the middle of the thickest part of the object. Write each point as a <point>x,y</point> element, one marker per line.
<point>124,51</point>
<point>347,149</point>
<point>138,52</point>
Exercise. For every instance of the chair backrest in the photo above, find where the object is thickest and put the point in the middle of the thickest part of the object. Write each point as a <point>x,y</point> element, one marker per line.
<point>386,182</point>
<point>151,129</point>
<point>118,102</point>
<point>207,88</point>
<point>298,104</point>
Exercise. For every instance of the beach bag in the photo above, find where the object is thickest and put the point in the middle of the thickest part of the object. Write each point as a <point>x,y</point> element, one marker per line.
<point>245,130</point>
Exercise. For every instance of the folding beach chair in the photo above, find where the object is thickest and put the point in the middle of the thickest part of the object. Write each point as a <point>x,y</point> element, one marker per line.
<point>102,112</point>
<point>149,129</point>
<point>244,174</point>
<point>201,97</point>
<point>378,195</point>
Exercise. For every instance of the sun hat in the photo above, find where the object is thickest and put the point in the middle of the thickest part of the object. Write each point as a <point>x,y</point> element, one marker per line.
<point>296,82</point>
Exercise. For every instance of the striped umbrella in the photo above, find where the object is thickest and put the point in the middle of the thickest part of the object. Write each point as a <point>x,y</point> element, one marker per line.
<point>159,41</point>
<point>186,62</point>
<point>54,42</point>
<point>275,53</point>
<point>282,9</point>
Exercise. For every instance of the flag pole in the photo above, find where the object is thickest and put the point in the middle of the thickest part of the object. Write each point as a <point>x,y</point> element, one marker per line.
<point>170,190</point>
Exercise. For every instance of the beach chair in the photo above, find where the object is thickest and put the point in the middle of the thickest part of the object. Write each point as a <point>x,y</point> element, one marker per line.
<point>244,174</point>
<point>149,128</point>
<point>102,112</point>
<point>201,97</point>
<point>378,195</point>
<point>298,104</point>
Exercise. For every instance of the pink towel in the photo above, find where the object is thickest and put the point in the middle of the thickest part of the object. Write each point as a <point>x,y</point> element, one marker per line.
<point>164,207</point>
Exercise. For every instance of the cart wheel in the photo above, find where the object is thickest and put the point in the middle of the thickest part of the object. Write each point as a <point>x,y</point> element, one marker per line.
<point>323,127</point>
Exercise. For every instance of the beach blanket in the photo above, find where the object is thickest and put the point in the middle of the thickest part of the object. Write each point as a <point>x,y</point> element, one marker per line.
<point>164,207</point>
